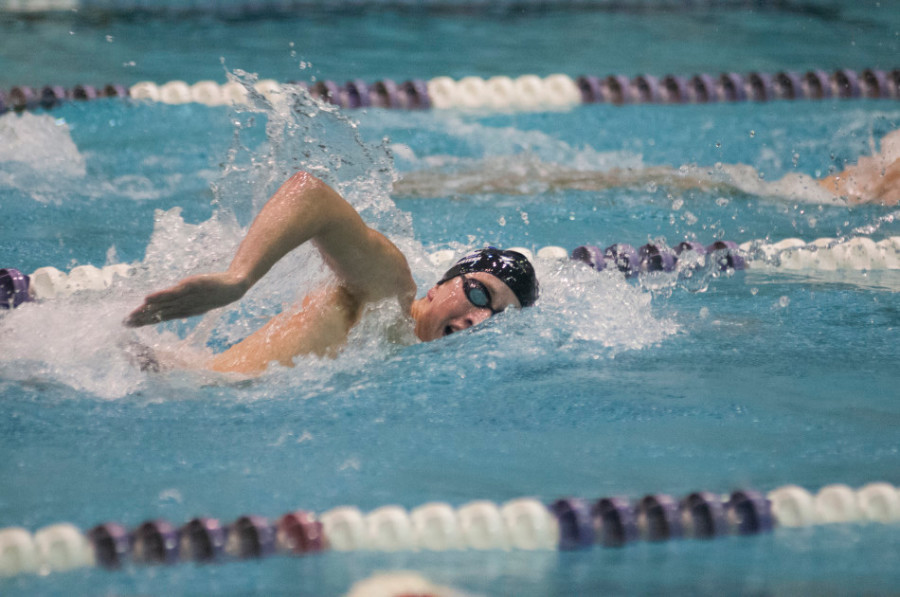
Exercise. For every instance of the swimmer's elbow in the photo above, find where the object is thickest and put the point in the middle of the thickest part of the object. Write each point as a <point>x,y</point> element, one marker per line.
<point>303,182</point>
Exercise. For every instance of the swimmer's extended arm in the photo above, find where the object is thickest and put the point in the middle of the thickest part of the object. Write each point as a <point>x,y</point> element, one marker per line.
<point>866,182</point>
<point>874,179</point>
<point>368,266</point>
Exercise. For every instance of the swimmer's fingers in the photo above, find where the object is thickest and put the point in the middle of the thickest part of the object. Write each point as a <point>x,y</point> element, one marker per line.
<point>163,307</point>
<point>141,316</point>
<point>192,296</point>
<point>148,314</point>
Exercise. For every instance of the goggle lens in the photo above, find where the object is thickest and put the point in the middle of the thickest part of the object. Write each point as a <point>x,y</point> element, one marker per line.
<point>478,294</point>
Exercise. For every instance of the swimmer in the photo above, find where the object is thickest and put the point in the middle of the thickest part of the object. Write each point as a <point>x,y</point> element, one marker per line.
<point>368,267</point>
<point>873,179</point>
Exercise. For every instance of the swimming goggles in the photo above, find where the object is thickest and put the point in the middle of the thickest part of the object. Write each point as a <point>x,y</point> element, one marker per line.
<point>478,294</point>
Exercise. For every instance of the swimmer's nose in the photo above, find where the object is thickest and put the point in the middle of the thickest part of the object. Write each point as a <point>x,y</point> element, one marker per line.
<point>457,326</point>
<point>462,323</point>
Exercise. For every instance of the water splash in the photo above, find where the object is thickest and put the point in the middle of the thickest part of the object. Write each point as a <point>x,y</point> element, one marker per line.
<point>506,160</point>
<point>272,138</point>
<point>528,174</point>
<point>38,155</point>
<point>70,342</point>
<point>302,133</point>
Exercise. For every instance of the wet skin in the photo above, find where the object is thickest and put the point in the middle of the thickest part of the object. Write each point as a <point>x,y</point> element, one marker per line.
<point>445,309</point>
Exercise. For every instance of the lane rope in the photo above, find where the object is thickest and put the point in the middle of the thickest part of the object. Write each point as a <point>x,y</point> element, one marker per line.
<point>790,254</point>
<point>263,8</point>
<point>527,92</point>
<point>518,524</point>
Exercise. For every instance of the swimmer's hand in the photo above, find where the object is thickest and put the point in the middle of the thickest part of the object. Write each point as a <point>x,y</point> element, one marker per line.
<point>192,296</point>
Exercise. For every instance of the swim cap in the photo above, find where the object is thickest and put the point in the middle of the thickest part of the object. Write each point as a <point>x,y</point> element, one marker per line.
<point>512,268</point>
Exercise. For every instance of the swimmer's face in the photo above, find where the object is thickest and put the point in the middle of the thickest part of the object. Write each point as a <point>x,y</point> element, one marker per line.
<point>446,308</point>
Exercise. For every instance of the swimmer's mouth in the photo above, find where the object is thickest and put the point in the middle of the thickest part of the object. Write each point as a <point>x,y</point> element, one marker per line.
<point>448,330</point>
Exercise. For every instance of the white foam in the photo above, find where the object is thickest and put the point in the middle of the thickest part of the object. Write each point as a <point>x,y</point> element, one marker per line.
<point>600,311</point>
<point>72,342</point>
<point>507,159</point>
<point>519,162</point>
<point>794,186</point>
<point>37,151</point>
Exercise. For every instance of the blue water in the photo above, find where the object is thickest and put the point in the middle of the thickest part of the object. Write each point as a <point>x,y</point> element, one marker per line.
<point>607,387</point>
<point>73,48</point>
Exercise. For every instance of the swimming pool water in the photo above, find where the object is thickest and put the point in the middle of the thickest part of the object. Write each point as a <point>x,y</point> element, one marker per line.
<point>124,47</point>
<point>607,387</point>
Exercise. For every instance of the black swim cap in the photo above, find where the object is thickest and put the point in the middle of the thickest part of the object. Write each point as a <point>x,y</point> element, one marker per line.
<point>512,268</point>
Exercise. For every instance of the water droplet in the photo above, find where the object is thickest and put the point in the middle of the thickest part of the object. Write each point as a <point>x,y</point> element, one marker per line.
<point>170,496</point>
<point>718,145</point>
<point>752,134</point>
<point>754,291</point>
<point>110,38</point>
<point>784,302</point>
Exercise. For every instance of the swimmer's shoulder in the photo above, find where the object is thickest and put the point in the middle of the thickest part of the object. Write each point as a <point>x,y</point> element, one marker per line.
<point>392,276</point>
